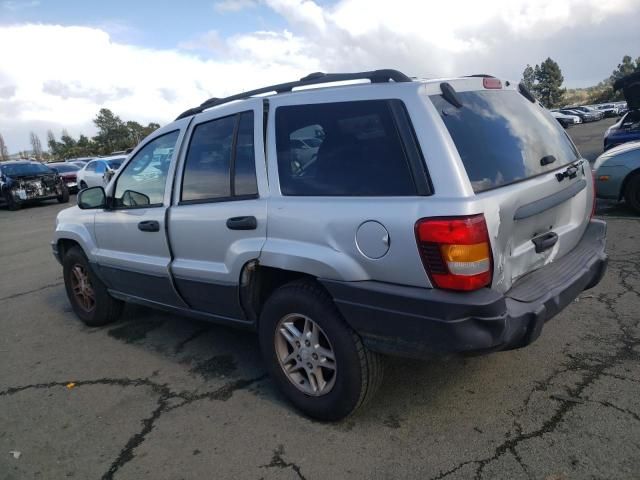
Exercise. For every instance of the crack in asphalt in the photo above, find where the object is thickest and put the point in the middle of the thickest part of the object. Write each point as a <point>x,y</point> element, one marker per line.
<point>163,405</point>
<point>278,462</point>
<point>591,370</point>
<point>35,290</point>
<point>181,345</point>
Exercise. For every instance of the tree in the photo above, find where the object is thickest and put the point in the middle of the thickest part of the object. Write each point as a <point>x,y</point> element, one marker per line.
<point>4,151</point>
<point>528,77</point>
<point>548,85</point>
<point>627,67</point>
<point>112,132</point>
<point>138,132</point>
<point>36,146</point>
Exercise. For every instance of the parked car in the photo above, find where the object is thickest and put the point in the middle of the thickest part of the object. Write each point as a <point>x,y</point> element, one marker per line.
<point>26,181</point>
<point>609,110</point>
<point>83,160</point>
<point>627,129</point>
<point>68,171</point>
<point>617,174</point>
<point>565,120</point>
<point>79,164</point>
<point>622,108</point>
<point>96,172</point>
<point>439,216</point>
<point>584,116</point>
<point>597,114</point>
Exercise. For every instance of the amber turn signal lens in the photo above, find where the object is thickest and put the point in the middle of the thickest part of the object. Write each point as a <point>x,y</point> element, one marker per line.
<point>465,253</point>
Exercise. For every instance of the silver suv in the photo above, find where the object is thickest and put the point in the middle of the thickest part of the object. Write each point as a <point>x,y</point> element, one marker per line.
<point>343,222</point>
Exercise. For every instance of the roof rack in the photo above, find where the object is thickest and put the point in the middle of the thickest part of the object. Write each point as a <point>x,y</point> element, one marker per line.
<point>375,76</point>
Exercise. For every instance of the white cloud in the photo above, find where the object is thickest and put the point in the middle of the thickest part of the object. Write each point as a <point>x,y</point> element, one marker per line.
<point>65,80</point>
<point>60,76</point>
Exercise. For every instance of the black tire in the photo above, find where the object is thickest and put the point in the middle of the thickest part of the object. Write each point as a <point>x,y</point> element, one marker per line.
<point>632,192</point>
<point>106,309</point>
<point>83,185</point>
<point>64,198</point>
<point>11,202</point>
<point>359,371</point>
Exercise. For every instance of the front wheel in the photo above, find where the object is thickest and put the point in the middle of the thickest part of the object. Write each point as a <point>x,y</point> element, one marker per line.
<point>12,203</point>
<point>83,185</point>
<point>64,197</point>
<point>314,357</point>
<point>632,192</point>
<point>88,296</point>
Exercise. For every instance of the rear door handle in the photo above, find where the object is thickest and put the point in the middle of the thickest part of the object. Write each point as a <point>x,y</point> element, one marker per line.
<point>149,226</point>
<point>545,241</point>
<point>242,223</point>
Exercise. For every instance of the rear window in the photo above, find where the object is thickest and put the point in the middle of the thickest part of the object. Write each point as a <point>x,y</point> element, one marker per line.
<point>501,137</point>
<point>341,149</point>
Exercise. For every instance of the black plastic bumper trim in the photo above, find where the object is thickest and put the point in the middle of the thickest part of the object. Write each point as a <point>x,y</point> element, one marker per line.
<point>419,322</point>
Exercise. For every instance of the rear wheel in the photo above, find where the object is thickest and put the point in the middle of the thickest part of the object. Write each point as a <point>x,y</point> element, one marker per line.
<point>314,357</point>
<point>632,192</point>
<point>88,296</point>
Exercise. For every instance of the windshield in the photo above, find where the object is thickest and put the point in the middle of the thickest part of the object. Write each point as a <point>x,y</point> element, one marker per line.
<point>65,167</point>
<point>114,164</point>
<point>501,137</point>
<point>25,169</point>
<point>631,120</point>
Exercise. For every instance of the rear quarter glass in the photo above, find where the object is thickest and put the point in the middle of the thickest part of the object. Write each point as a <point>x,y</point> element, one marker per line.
<point>501,137</point>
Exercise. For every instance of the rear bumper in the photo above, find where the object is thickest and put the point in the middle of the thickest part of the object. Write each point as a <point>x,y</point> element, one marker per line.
<point>419,322</point>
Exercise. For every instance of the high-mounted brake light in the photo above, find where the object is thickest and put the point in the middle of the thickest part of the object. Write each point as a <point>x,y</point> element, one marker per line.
<point>491,83</point>
<point>455,251</point>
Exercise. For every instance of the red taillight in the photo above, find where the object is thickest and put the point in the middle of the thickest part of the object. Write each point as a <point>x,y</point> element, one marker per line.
<point>456,251</point>
<point>488,82</point>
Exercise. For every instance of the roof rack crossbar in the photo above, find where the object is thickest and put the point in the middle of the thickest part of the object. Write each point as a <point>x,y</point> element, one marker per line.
<point>375,76</point>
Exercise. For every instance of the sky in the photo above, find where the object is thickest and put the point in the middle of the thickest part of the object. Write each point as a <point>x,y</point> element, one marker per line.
<point>61,61</point>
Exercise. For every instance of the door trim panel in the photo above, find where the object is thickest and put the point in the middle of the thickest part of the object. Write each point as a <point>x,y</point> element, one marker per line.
<point>145,285</point>
<point>211,297</point>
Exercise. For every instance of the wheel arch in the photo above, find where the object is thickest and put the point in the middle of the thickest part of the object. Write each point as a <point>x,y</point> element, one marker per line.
<point>625,182</point>
<point>258,282</point>
<point>69,235</point>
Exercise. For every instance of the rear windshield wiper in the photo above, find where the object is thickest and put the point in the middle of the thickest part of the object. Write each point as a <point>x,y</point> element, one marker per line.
<point>526,93</point>
<point>450,95</point>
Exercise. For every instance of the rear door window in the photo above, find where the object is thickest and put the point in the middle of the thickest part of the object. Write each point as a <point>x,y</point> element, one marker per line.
<point>502,137</point>
<point>220,162</point>
<point>341,149</point>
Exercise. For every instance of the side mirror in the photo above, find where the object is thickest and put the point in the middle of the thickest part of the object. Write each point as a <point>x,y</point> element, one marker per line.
<point>93,197</point>
<point>131,198</point>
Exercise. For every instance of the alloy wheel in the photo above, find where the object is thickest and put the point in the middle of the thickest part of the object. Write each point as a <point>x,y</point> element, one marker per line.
<point>305,354</point>
<point>82,288</point>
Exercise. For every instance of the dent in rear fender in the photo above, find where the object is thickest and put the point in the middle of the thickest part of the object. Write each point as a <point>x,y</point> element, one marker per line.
<point>317,260</point>
<point>78,233</point>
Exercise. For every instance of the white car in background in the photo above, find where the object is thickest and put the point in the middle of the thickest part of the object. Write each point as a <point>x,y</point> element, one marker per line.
<point>98,172</point>
<point>566,120</point>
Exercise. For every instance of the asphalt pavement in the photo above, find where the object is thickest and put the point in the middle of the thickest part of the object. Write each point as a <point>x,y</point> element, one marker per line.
<point>163,397</point>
